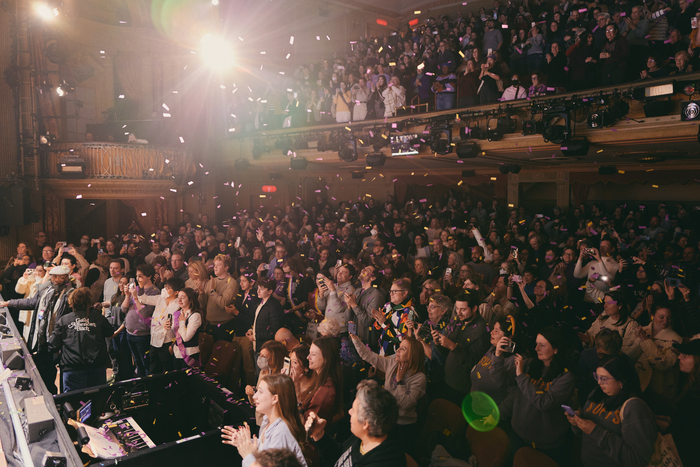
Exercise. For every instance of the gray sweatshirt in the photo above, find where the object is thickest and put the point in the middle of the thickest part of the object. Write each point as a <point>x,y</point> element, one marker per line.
<point>336,307</point>
<point>494,375</point>
<point>535,408</point>
<point>367,300</point>
<point>619,439</point>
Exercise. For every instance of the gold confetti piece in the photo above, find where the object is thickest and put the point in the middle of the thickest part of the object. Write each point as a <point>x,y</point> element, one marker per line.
<point>460,182</point>
<point>599,151</point>
<point>494,178</point>
<point>620,171</point>
<point>655,186</point>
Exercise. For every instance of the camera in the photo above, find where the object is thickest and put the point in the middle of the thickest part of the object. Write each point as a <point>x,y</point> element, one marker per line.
<point>510,347</point>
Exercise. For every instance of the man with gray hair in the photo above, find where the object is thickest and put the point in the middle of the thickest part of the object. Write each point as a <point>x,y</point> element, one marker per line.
<point>373,416</point>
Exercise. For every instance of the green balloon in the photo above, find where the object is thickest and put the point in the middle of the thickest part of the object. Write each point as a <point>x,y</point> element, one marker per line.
<point>480,411</point>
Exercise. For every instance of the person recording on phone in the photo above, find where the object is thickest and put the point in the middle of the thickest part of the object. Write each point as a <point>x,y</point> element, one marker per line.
<point>365,299</point>
<point>495,372</point>
<point>461,345</point>
<point>334,302</point>
<point>599,272</point>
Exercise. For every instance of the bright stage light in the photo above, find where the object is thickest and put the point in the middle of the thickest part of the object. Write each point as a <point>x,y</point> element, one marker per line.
<point>60,91</point>
<point>216,52</point>
<point>215,2</point>
<point>45,12</point>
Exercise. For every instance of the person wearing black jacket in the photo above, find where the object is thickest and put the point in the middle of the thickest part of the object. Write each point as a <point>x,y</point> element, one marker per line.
<point>373,415</point>
<point>268,315</point>
<point>80,338</point>
<point>49,305</point>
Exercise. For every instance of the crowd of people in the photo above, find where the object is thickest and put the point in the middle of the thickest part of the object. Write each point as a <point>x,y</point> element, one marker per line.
<point>368,311</point>
<point>515,50</point>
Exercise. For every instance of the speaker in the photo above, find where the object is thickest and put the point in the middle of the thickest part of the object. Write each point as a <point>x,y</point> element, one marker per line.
<point>15,206</point>
<point>575,147</point>
<point>298,163</point>
<point>607,170</point>
<point>15,362</point>
<point>467,150</point>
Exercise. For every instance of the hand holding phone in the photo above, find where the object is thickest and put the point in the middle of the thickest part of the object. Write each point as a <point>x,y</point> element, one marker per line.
<point>352,328</point>
<point>568,410</point>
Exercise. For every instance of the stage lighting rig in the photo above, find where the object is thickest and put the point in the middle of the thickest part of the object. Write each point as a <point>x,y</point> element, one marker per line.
<point>441,140</point>
<point>348,151</point>
<point>553,130</point>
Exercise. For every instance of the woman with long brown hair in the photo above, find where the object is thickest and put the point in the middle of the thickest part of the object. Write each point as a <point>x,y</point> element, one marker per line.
<point>324,361</point>
<point>281,427</point>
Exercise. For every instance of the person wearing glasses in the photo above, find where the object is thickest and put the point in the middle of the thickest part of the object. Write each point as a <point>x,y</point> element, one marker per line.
<point>617,427</point>
<point>391,321</point>
<point>613,58</point>
<point>538,88</point>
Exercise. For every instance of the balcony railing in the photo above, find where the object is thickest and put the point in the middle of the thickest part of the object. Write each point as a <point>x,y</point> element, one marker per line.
<point>120,161</point>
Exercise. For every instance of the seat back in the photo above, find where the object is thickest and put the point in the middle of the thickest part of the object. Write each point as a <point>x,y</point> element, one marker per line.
<point>529,457</point>
<point>224,361</point>
<point>491,448</point>
<point>443,417</point>
<point>206,342</point>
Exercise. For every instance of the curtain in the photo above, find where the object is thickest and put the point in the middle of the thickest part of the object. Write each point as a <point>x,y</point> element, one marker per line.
<point>580,192</point>
<point>128,69</point>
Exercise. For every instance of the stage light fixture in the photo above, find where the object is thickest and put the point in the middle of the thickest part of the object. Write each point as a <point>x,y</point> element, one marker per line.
<point>441,141</point>
<point>216,52</point>
<point>577,147</point>
<point>298,163</point>
<point>505,169</point>
<point>494,130</point>
<point>555,132</point>
<point>348,151</point>
<point>619,110</point>
<point>64,88</point>
<point>45,12</point>
<point>46,140</point>
<point>598,119</point>
<point>467,150</point>
<point>690,111</point>
<point>375,159</point>
<point>258,149</point>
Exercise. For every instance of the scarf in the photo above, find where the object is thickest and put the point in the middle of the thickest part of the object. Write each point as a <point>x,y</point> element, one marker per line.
<point>179,342</point>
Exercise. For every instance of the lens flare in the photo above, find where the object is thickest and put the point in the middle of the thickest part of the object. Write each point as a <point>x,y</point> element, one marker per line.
<point>216,53</point>
<point>480,411</point>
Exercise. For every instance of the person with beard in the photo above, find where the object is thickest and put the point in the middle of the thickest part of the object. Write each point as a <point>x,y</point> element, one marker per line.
<point>364,300</point>
<point>548,266</point>
<point>49,305</point>
<point>399,239</point>
<point>461,345</point>
<point>484,270</point>
<point>439,258</point>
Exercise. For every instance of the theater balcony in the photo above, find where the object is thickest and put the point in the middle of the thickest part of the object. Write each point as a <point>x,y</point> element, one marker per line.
<point>120,168</point>
<point>630,139</point>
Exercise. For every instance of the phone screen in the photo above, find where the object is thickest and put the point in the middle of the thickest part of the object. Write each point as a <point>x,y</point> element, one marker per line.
<point>352,328</point>
<point>287,366</point>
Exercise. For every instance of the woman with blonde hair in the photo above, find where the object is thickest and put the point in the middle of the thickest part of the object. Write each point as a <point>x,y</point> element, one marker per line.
<point>197,271</point>
<point>405,380</point>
